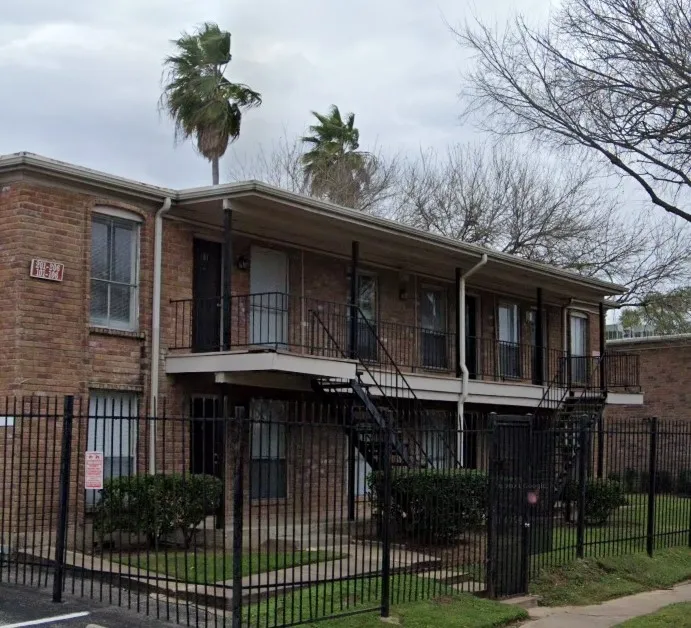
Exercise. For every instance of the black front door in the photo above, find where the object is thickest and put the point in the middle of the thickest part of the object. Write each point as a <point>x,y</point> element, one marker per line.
<point>471,343</point>
<point>206,293</point>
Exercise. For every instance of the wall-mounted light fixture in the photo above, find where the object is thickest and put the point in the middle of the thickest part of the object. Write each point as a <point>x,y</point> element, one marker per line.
<point>243,263</point>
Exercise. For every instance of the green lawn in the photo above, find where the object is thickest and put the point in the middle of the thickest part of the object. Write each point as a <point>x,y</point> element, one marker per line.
<point>674,615</point>
<point>626,530</point>
<point>595,580</point>
<point>210,567</point>
<point>446,608</point>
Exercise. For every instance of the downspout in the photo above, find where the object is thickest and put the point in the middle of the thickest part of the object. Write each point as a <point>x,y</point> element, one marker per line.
<point>565,334</point>
<point>156,329</point>
<point>465,376</point>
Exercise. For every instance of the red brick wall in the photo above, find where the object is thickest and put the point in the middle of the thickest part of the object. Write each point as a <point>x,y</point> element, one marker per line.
<point>665,375</point>
<point>56,351</point>
<point>10,263</point>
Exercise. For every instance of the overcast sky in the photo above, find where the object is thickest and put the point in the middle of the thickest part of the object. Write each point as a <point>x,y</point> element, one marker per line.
<point>81,79</point>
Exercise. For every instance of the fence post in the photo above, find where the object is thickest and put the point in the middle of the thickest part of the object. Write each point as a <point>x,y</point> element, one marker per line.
<point>64,495</point>
<point>238,514</point>
<point>582,486</point>
<point>652,486</point>
<point>386,525</point>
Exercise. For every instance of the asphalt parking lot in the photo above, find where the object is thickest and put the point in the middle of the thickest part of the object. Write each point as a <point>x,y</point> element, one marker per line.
<point>29,606</point>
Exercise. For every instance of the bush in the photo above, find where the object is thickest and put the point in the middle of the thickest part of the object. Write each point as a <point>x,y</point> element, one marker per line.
<point>433,506</point>
<point>664,482</point>
<point>631,481</point>
<point>684,482</point>
<point>602,498</point>
<point>157,505</point>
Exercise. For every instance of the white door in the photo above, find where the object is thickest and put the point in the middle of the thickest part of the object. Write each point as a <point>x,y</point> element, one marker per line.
<point>268,297</point>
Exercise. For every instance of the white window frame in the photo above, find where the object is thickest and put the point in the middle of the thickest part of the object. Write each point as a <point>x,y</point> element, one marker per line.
<point>114,216</point>
<point>444,309</point>
<point>106,407</point>
<point>583,316</point>
<point>517,321</point>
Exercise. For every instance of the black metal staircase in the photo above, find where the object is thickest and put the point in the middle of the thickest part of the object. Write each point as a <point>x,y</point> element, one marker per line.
<point>567,408</point>
<point>379,404</point>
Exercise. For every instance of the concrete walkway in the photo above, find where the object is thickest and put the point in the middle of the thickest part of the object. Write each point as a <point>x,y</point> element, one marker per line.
<point>609,613</point>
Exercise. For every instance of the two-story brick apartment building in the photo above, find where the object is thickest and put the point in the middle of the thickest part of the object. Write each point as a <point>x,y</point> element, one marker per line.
<point>253,292</point>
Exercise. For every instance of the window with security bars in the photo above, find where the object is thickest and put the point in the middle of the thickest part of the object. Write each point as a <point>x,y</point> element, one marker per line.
<point>112,431</point>
<point>114,255</point>
<point>268,472</point>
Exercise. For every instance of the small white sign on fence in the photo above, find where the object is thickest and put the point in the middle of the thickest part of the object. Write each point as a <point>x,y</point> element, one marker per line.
<point>93,469</point>
<point>6,421</point>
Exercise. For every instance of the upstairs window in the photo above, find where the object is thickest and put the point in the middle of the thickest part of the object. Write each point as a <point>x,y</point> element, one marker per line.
<point>114,272</point>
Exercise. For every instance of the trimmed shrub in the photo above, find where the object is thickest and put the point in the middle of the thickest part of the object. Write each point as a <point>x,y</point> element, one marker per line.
<point>157,505</point>
<point>631,481</point>
<point>431,506</point>
<point>664,482</point>
<point>602,498</point>
<point>684,482</point>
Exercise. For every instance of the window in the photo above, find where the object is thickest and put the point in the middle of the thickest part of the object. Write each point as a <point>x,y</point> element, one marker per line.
<point>508,349</point>
<point>367,346</point>
<point>112,430</point>
<point>114,255</point>
<point>438,443</point>
<point>579,348</point>
<point>433,337</point>
<point>268,451</point>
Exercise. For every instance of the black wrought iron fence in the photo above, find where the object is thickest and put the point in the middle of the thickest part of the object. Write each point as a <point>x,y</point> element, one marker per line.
<point>242,515</point>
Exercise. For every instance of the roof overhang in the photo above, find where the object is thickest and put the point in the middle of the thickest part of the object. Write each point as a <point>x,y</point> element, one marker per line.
<point>274,213</point>
<point>270,212</point>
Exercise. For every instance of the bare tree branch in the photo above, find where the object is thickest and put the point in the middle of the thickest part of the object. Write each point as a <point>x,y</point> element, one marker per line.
<point>612,76</point>
<point>546,209</point>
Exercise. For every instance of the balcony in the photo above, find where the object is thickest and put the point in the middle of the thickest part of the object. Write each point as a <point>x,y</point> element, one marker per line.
<point>284,323</point>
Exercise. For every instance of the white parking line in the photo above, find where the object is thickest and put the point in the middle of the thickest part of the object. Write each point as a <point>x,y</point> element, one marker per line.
<point>45,620</point>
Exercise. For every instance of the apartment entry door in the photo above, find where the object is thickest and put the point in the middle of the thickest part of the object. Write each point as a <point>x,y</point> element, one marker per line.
<point>268,297</point>
<point>206,295</point>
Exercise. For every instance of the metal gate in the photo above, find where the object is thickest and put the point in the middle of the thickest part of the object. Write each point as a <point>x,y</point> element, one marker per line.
<point>508,520</point>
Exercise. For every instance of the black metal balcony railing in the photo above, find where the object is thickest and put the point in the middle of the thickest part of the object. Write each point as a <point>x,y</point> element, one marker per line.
<point>277,321</point>
<point>487,358</point>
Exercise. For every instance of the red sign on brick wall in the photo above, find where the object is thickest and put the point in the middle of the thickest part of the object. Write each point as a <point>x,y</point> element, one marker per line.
<point>43,269</point>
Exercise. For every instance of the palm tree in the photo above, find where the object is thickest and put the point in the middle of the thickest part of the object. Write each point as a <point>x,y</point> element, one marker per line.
<point>333,166</point>
<point>202,102</point>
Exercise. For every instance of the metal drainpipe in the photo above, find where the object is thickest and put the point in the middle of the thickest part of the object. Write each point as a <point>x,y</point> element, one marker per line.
<point>156,328</point>
<point>461,352</point>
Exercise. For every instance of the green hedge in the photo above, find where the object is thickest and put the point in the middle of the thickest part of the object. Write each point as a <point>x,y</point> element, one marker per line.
<point>157,505</point>
<point>431,506</point>
<point>666,482</point>
<point>602,498</point>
